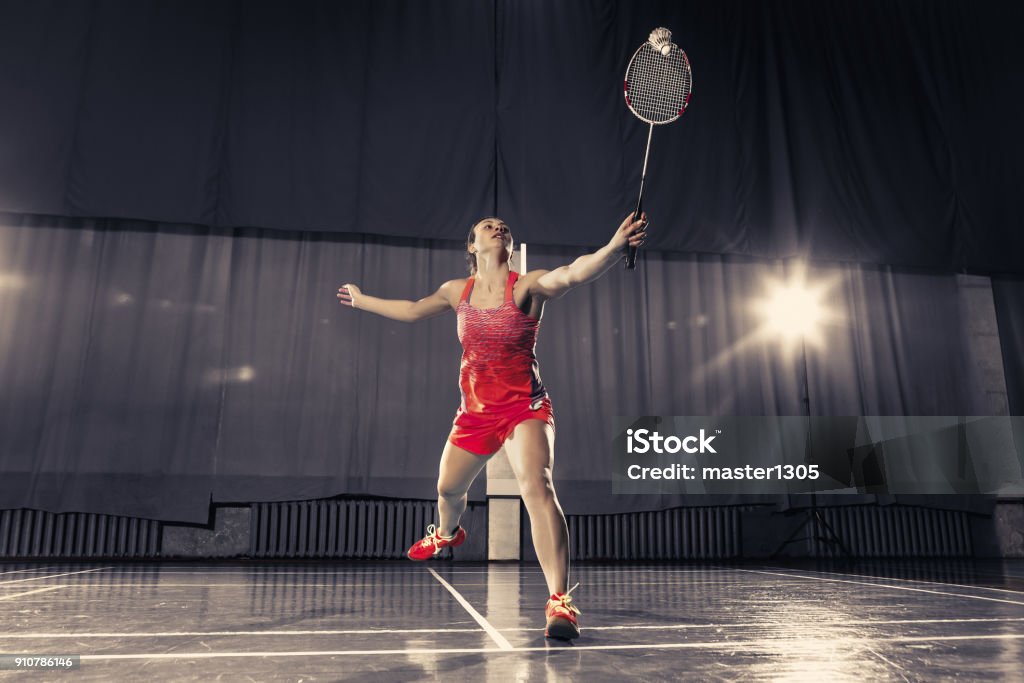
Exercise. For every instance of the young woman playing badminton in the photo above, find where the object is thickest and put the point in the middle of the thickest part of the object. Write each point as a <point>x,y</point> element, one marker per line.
<point>504,402</point>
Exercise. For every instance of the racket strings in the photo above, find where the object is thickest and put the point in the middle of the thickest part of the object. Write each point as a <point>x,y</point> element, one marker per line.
<point>658,86</point>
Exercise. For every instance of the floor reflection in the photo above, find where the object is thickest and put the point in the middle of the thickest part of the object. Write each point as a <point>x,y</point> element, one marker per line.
<point>402,621</point>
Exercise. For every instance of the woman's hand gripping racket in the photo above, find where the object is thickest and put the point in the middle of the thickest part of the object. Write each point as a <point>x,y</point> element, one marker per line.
<point>657,90</point>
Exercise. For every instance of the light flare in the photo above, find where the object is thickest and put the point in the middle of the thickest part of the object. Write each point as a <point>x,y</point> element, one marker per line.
<point>793,311</point>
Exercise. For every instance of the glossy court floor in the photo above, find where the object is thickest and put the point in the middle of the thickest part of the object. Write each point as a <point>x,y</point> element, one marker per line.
<point>404,621</point>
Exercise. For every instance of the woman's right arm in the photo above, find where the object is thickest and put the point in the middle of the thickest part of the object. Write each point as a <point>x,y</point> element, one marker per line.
<point>446,297</point>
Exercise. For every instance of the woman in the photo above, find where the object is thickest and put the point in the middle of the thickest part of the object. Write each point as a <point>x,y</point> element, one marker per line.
<point>504,402</point>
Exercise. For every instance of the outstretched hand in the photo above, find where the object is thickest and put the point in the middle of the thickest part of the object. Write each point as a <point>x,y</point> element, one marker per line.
<point>632,232</point>
<point>348,295</point>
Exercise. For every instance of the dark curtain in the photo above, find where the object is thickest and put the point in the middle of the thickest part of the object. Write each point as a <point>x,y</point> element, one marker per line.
<point>374,117</point>
<point>149,369</point>
<point>874,132</point>
<point>1008,293</point>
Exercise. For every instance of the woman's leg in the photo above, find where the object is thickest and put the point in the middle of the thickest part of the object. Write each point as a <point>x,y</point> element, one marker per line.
<point>531,452</point>
<point>457,471</point>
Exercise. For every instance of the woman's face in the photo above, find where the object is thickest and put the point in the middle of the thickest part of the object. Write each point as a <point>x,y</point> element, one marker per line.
<point>491,234</point>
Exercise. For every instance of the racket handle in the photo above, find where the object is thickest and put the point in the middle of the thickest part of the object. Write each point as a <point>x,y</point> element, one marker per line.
<point>631,251</point>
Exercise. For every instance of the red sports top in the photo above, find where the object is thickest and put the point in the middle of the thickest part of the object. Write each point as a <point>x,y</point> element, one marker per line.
<point>499,368</point>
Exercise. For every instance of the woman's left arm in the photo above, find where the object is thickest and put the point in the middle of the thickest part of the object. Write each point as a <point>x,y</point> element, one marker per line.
<point>552,284</point>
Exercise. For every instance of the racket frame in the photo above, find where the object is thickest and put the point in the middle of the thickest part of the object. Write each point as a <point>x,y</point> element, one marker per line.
<point>631,252</point>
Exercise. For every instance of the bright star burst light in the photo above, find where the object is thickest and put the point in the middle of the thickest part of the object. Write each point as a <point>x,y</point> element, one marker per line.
<point>793,311</point>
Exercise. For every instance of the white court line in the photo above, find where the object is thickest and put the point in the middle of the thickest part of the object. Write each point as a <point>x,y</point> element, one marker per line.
<point>491,631</point>
<point>19,571</point>
<point>953,568</point>
<point>732,645</point>
<point>897,578</point>
<point>615,570</point>
<point>882,585</point>
<point>312,570</point>
<point>379,631</point>
<point>182,634</point>
<point>255,571</point>
<point>150,588</point>
<point>160,584</point>
<point>39,590</point>
<point>53,576</point>
<point>143,586</point>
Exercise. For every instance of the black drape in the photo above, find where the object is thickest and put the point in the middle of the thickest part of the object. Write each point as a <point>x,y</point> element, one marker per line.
<point>148,369</point>
<point>355,117</point>
<point>875,132</point>
<point>1008,293</point>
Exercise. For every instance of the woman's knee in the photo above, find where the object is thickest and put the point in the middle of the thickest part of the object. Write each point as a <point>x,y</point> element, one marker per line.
<point>537,490</point>
<point>449,492</point>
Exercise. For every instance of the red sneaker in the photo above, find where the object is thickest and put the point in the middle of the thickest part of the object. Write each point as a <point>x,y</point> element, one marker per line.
<point>561,614</point>
<point>432,543</point>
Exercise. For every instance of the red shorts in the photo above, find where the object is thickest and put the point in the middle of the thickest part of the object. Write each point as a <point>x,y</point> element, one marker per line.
<point>484,433</point>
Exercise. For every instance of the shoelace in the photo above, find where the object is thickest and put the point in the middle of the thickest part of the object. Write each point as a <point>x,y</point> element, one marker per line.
<point>565,600</point>
<point>432,538</point>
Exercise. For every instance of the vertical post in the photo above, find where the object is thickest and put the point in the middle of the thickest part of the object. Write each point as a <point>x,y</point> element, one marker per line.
<point>504,536</point>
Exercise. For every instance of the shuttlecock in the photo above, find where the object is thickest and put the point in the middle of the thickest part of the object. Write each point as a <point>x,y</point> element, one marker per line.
<point>661,40</point>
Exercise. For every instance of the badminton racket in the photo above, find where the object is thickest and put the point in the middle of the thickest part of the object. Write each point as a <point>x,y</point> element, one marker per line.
<point>657,89</point>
